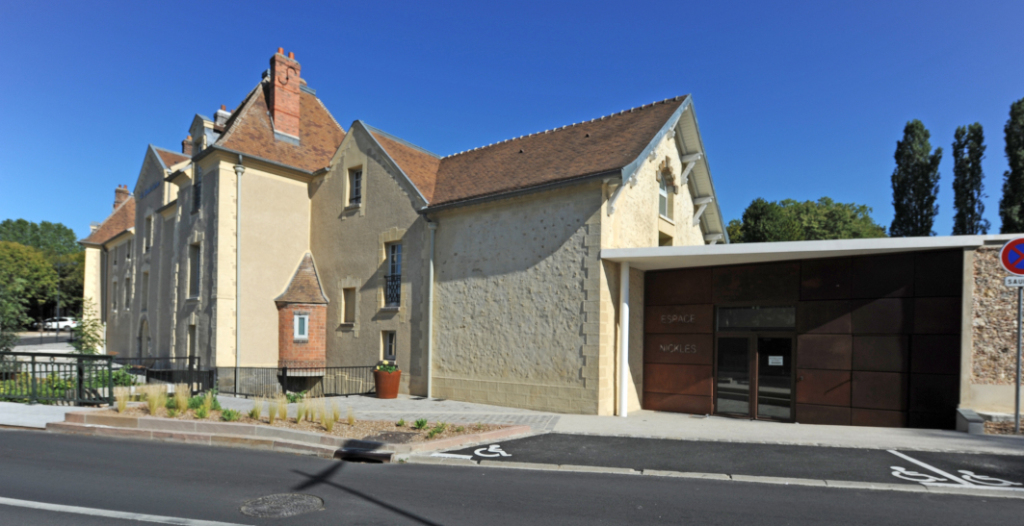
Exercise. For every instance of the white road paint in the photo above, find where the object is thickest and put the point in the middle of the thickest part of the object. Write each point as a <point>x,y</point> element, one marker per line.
<point>492,451</point>
<point>453,455</point>
<point>969,478</point>
<point>95,512</point>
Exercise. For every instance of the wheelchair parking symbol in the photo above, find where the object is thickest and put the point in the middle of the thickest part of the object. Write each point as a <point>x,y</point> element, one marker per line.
<point>492,451</point>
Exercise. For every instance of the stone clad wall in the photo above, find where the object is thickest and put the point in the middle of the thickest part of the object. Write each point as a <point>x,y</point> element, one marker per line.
<point>995,322</point>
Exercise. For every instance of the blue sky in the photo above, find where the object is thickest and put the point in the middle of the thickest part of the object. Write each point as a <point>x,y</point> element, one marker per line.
<point>795,99</point>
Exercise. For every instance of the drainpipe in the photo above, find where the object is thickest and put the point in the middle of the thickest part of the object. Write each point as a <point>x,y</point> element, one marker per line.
<point>623,337</point>
<point>239,170</point>
<point>430,312</point>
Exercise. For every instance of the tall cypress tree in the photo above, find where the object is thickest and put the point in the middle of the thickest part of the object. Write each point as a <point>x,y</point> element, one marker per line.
<point>968,151</point>
<point>1011,206</point>
<point>915,183</point>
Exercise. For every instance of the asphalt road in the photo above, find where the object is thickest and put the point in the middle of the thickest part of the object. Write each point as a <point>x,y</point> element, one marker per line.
<point>766,460</point>
<point>205,483</point>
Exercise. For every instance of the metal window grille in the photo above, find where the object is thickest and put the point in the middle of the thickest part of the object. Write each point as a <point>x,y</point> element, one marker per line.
<point>393,290</point>
<point>356,191</point>
<point>197,193</point>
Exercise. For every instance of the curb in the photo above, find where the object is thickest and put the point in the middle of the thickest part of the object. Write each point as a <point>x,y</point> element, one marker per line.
<point>261,437</point>
<point>838,484</point>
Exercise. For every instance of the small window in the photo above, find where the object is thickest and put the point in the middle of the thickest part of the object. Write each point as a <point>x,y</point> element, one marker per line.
<point>113,296</point>
<point>355,186</point>
<point>193,271</point>
<point>756,318</point>
<point>301,327</point>
<point>664,199</point>
<point>197,192</point>
<point>389,341</point>
<point>127,251</point>
<point>127,293</point>
<point>393,279</point>
<point>145,290</point>
<point>348,298</point>
<point>192,341</point>
<point>147,240</point>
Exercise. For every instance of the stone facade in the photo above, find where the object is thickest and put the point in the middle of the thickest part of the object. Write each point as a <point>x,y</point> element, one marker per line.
<point>994,356</point>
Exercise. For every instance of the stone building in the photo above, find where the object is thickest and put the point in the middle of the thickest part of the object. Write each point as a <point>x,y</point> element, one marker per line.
<point>583,269</point>
<point>277,238</point>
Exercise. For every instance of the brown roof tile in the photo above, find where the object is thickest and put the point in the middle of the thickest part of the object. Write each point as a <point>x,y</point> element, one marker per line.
<point>420,166</point>
<point>591,147</point>
<point>168,157</point>
<point>249,131</point>
<point>122,219</point>
<point>305,285</point>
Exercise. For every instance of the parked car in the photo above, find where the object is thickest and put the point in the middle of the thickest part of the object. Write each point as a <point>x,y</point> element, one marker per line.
<point>60,323</point>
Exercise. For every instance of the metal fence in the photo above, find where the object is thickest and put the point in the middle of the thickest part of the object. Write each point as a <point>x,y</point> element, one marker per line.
<point>169,370</point>
<point>318,381</point>
<point>78,379</point>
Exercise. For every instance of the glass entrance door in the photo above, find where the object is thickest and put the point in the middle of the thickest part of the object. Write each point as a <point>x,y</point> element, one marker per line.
<point>732,381</point>
<point>754,376</point>
<point>775,378</point>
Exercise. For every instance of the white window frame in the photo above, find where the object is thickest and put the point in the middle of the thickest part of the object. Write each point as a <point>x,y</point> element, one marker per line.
<point>389,342</point>
<point>300,322</point>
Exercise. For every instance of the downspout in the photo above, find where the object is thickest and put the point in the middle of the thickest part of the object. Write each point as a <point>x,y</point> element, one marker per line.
<point>430,311</point>
<point>239,170</point>
<point>623,337</point>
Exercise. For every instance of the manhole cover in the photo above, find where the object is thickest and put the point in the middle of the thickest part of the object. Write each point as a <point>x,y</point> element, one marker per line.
<point>282,505</point>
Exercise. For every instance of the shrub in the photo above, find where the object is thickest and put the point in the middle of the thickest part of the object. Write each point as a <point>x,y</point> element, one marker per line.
<point>87,336</point>
<point>257,408</point>
<point>282,408</point>
<point>121,395</point>
<point>181,394</point>
<point>437,430</point>
<point>300,411</point>
<point>229,415</point>
<point>202,412</point>
<point>420,423</point>
<point>294,398</point>
<point>459,429</point>
<point>208,401</point>
<point>400,423</point>
<point>156,397</point>
<point>195,402</point>
<point>273,409</point>
<point>351,417</point>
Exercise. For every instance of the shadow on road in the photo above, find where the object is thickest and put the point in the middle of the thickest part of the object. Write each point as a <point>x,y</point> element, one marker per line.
<point>324,476</point>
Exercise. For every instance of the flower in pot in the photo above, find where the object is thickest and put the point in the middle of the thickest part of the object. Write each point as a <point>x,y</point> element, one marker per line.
<point>386,376</point>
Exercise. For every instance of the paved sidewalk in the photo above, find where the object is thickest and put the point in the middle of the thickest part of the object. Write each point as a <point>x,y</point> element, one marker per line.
<point>34,416</point>
<point>653,424</point>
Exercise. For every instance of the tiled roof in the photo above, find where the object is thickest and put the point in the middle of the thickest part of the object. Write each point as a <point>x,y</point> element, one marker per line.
<point>305,285</point>
<point>249,131</point>
<point>419,165</point>
<point>122,219</point>
<point>168,157</point>
<point>601,145</point>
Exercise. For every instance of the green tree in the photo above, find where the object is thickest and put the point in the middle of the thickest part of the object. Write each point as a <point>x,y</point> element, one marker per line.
<point>1011,206</point>
<point>51,238</point>
<point>791,220</point>
<point>88,334</point>
<point>968,185</point>
<point>765,221</point>
<point>30,266</point>
<point>13,308</point>
<point>915,183</point>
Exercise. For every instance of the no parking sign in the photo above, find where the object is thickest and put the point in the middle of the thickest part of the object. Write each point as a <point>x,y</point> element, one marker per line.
<point>1012,258</point>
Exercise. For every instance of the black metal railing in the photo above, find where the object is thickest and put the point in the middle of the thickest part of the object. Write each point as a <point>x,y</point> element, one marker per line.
<point>393,290</point>
<point>170,370</point>
<point>318,381</point>
<point>79,379</point>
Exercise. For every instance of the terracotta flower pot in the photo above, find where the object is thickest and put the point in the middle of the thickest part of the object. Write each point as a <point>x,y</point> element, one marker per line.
<point>387,383</point>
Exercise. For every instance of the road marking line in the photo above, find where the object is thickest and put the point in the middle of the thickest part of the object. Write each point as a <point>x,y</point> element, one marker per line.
<point>961,481</point>
<point>452,455</point>
<point>111,514</point>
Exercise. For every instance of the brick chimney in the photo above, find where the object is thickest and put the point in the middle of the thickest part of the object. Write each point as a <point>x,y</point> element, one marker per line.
<point>186,146</point>
<point>284,92</point>
<point>121,195</point>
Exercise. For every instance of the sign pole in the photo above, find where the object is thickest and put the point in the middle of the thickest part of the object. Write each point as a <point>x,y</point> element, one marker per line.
<point>1020,325</point>
<point>1012,259</point>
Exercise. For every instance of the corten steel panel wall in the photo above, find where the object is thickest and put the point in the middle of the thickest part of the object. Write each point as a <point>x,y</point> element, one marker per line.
<point>877,336</point>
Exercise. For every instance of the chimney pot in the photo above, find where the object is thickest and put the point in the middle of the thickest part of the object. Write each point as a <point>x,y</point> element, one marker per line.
<point>291,55</point>
<point>186,146</point>
<point>223,107</point>
<point>280,51</point>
